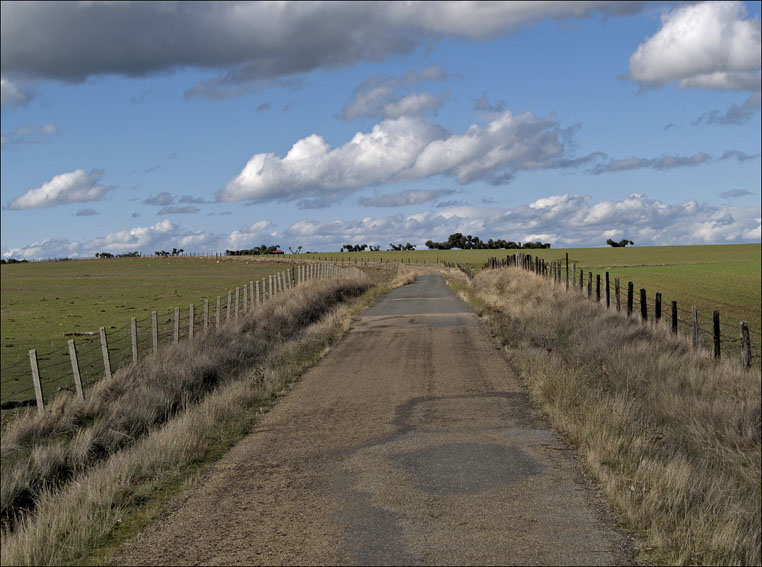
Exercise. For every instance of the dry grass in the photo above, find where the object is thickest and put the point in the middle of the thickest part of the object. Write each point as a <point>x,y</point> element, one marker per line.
<point>672,436</point>
<point>162,406</point>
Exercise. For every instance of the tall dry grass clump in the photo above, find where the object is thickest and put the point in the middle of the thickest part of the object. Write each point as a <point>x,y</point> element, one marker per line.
<point>672,436</point>
<point>43,453</point>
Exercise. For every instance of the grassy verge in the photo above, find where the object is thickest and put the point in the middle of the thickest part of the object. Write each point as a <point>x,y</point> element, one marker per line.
<point>672,437</point>
<point>82,513</point>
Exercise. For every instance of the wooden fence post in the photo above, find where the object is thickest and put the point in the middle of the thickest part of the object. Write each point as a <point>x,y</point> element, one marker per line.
<point>251,294</point>
<point>643,305</point>
<point>695,328</point>
<point>256,288</point>
<point>745,344</point>
<point>104,351</point>
<point>270,286</point>
<point>217,314</point>
<point>245,299</point>
<point>608,291</point>
<point>630,293</point>
<point>191,320</point>
<point>616,294</point>
<point>567,271</point>
<point>134,336</point>
<point>176,337</point>
<point>657,308</point>
<point>716,325</point>
<point>581,279</point>
<point>574,273</point>
<point>237,293</point>
<point>227,310</point>
<point>75,369</point>
<point>674,317</point>
<point>206,315</point>
<point>589,285</point>
<point>36,380</point>
<point>155,331</point>
<point>598,288</point>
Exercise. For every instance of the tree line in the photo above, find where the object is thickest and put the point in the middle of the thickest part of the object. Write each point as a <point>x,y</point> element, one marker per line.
<point>468,242</point>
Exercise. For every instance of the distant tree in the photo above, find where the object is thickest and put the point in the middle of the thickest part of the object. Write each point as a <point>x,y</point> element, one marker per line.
<point>620,244</point>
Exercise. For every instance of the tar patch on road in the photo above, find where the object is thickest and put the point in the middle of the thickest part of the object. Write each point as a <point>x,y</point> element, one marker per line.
<point>467,467</point>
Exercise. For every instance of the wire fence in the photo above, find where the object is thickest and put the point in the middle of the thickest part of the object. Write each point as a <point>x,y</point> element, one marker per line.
<point>707,331</point>
<point>57,369</point>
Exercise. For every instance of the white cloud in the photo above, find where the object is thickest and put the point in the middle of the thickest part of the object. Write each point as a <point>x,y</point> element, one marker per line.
<point>382,96</point>
<point>163,235</point>
<point>564,220</point>
<point>73,187</point>
<point>709,45</point>
<point>401,150</point>
<point>263,41</point>
<point>414,104</point>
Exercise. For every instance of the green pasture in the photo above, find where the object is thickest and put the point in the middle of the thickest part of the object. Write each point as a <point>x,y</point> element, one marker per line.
<point>724,277</point>
<point>41,301</point>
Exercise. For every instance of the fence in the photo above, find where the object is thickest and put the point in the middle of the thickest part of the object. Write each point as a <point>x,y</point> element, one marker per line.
<point>92,356</point>
<point>711,333</point>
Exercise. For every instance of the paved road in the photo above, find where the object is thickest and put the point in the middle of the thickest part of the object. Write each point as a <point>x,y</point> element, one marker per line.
<point>410,443</point>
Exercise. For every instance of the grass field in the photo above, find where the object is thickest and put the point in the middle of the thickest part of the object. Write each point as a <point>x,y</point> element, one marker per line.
<point>723,277</point>
<point>41,301</point>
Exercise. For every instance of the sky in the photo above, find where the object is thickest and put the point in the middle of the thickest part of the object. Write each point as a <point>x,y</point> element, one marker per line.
<point>214,126</point>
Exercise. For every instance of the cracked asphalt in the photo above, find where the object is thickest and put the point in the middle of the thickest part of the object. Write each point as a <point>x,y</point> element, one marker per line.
<point>411,442</point>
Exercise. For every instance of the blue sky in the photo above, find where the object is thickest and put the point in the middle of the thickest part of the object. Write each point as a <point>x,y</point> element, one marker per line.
<point>230,125</point>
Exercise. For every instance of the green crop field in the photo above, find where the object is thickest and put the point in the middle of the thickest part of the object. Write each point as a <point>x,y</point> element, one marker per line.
<point>41,301</point>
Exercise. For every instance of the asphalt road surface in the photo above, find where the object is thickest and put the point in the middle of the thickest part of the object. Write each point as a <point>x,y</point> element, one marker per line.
<point>411,442</point>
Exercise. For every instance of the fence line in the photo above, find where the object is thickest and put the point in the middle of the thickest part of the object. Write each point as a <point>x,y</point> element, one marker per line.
<point>718,336</point>
<point>95,356</point>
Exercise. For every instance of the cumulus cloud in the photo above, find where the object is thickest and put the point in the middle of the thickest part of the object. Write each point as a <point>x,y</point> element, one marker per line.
<point>401,150</point>
<point>162,199</point>
<point>263,41</point>
<point>564,220</point>
<point>178,210</point>
<point>382,96</point>
<point>404,198</point>
<point>73,187</point>
<point>163,235</point>
<point>709,45</point>
<point>29,135</point>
